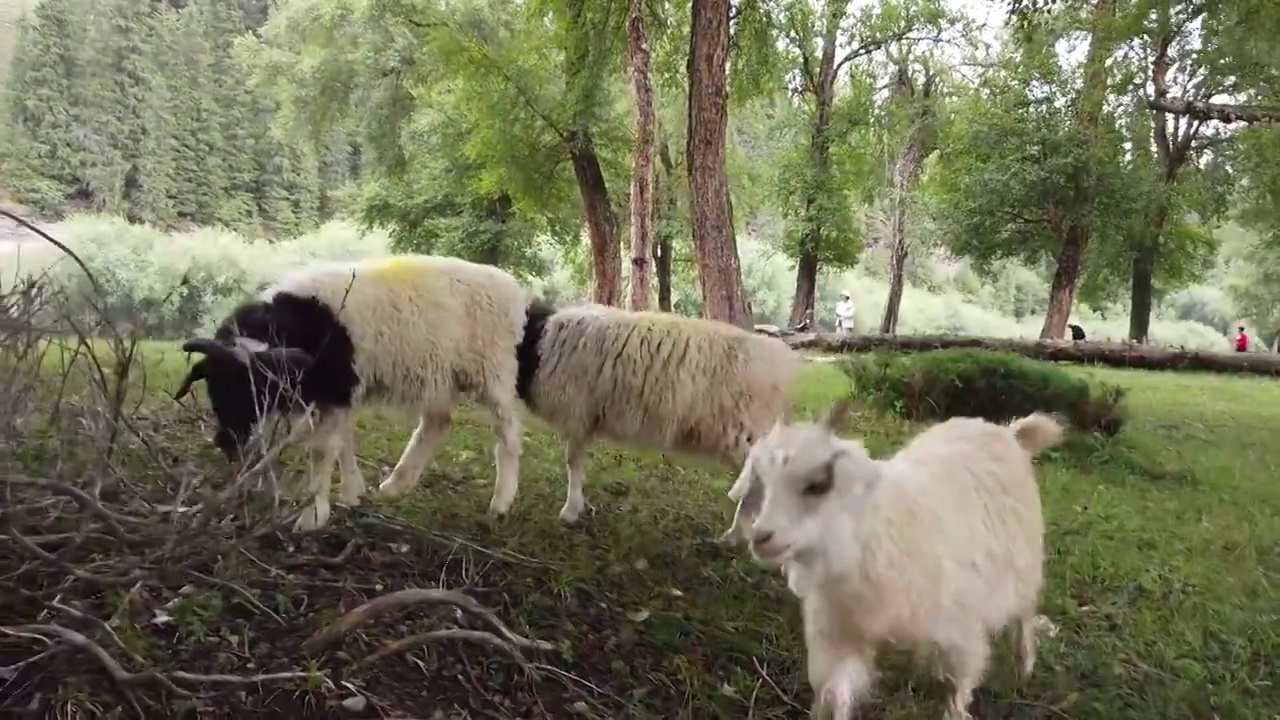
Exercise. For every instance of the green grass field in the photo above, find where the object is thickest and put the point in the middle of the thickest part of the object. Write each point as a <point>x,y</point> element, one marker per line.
<point>1163,575</point>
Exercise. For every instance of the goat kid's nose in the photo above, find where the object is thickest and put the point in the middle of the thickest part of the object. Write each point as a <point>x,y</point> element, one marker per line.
<point>761,537</point>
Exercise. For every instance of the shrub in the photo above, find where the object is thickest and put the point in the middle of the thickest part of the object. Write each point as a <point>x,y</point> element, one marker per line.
<point>999,387</point>
<point>170,285</point>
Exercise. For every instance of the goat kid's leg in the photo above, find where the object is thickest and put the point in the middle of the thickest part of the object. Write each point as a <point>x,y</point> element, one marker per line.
<point>431,430</point>
<point>575,462</point>
<point>966,662</point>
<point>1026,643</point>
<point>316,514</point>
<point>846,686</point>
<point>506,453</point>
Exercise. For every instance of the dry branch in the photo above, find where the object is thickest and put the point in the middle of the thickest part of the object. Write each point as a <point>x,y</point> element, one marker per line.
<point>405,599</point>
<point>1223,113</point>
<point>1123,355</point>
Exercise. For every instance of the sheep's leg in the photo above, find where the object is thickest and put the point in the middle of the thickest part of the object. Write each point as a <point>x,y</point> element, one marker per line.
<point>575,461</point>
<point>966,662</point>
<point>432,428</point>
<point>352,487</point>
<point>316,514</point>
<point>506,452</point>
<point>1026,634</point>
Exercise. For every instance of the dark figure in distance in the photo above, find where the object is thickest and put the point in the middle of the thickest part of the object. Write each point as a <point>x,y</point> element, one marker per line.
<point>1077,333</point>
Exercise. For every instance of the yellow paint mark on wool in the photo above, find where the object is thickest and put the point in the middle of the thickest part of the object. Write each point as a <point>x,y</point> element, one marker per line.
<point>398,267</point>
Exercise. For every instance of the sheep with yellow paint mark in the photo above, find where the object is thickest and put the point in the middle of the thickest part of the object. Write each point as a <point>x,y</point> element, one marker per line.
<point>413,331</point>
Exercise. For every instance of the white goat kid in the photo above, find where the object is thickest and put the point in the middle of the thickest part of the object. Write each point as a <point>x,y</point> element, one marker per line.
<point>936,548</point>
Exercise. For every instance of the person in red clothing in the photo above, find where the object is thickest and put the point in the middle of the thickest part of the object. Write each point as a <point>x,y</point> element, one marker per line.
<point>1242,341</point>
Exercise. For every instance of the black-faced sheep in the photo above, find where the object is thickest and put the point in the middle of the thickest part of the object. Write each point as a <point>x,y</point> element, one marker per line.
<point>938,547</point>
<point>652,380</point>
<point>412,331</point>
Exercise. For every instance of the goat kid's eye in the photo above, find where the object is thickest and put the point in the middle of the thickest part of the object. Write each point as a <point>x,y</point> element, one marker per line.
<point>818,488</point>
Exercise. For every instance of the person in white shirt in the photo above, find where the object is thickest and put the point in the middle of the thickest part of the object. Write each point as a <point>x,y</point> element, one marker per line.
<point>844,314</point>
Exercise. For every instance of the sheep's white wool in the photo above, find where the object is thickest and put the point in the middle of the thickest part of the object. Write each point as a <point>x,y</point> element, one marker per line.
<point>937,547</point>
<point>426,329</point>
<point>657,380</point>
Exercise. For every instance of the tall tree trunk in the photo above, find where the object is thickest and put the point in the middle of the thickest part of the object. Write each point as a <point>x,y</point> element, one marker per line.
<point>711,214</point>
<point>802,304</point>
<point>1173,148</point>
<point>1142,290</point>
<point>602,223</point>
<point>642,182</point>
<point>906,171</point>
<point>1075,238</point>
<point>664,189</point>
<point>823,88</point>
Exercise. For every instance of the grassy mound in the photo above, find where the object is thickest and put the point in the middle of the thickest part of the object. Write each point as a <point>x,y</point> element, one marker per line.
<point>977,383</point>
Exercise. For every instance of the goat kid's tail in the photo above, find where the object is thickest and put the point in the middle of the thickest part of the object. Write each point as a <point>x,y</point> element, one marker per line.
<point>1037,432</point>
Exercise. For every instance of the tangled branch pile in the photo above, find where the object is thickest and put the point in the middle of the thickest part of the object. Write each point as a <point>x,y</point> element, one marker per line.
<point>119,526</point>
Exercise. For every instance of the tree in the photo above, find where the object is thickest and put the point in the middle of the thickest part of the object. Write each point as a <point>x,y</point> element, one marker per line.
<point>1077,229</point>
<point>711,213</point>
<point>914,95</point>
<point>643,180</point>
<point>825,180</point>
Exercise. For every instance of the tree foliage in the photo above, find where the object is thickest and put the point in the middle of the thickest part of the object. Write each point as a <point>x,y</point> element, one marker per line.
<point>139,109</point>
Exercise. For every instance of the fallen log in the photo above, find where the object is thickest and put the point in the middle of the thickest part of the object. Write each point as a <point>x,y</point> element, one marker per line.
<point>1112,354</point>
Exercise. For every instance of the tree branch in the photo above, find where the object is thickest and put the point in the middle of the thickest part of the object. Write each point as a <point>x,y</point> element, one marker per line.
<point>871,46</point>
<point>1221,112</point>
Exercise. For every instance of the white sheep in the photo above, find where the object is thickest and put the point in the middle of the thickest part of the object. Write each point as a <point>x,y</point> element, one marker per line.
<point>935,548</point>
<point>653,380</point>
<point>412,331</point>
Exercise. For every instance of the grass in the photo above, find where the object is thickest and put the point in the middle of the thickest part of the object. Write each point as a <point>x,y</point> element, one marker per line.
<point>1163,572</point>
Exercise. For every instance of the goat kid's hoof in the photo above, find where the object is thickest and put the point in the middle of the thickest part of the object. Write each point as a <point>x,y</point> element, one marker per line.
<point>311,519</point>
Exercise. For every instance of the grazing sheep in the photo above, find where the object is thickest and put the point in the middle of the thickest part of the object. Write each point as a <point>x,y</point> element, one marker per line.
<point>653,380</point>
<point>935,548</point>
<point>412,331</point>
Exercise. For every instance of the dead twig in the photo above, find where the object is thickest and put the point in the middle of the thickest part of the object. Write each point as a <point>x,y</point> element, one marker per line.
<point>416,641</point>
<point>404,599</point>
<point>240,591</point>
<point>166,680</point>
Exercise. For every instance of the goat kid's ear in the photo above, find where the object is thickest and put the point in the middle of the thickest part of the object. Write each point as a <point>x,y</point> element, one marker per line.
<point>839,415</point>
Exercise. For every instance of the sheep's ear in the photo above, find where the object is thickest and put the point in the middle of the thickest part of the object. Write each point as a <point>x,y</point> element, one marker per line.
<point>198,372</point>
<point>838,416</point>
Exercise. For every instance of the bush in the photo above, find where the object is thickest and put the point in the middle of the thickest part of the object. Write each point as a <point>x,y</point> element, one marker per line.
<point>171,285</point>
<point>999,387</point>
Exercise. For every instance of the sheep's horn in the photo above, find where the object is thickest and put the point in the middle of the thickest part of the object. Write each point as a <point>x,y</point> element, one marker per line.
<point>290,357</point>
<point>214,349</point>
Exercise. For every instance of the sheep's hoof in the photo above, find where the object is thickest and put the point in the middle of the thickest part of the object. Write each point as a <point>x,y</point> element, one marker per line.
<point>572,516</point>
<point>351,498</point>
<point>312,518</point>
<point>391,488</point>
<point>499,510</point>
